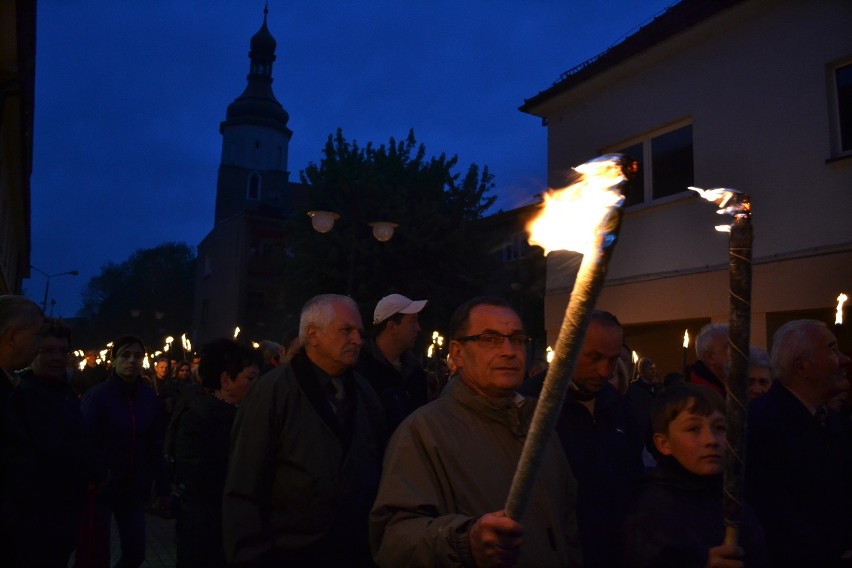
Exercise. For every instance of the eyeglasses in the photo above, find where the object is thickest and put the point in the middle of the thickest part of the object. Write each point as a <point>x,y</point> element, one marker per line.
<point>492,340</point>
<point>53,351</point>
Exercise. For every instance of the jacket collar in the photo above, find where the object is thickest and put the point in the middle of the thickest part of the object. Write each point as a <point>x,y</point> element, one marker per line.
<point>514,412</point>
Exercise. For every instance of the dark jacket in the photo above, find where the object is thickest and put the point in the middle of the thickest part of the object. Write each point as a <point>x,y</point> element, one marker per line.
<point>124,420</point>
<point>49,487</point>
<point>605,453</point>
<point>640,396</point>
<point>678,518</point>
<point>201,463</point>
<point>401,392</point>
<point>300,484</point>
<point>702,375</point>
<point>87,377</point>
<point>799,479</point>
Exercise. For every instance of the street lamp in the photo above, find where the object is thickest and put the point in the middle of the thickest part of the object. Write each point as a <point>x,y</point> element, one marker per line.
<point>47,282</point>
<point>323,221</point>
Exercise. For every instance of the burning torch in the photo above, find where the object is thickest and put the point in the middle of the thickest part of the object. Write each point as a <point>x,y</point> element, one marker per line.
<point>738,205</point>
<point>838,315</point>
<point>584,217</point>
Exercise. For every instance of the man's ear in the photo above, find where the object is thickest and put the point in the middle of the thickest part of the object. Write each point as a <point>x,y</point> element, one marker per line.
<point>311,334</point>
<point>661,441</point>
<point>456,353</point>
<point>224,380</point>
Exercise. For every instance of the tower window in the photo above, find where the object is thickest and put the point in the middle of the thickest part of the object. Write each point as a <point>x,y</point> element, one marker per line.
<point>253,189</point>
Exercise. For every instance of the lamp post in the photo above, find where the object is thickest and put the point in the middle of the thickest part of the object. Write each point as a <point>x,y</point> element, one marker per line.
<point>47,282</point>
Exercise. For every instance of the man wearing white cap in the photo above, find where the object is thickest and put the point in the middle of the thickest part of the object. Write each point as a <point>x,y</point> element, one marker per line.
<point>386,359</point>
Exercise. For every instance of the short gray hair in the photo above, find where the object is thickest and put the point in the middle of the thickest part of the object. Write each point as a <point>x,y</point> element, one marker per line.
<point>790,343</point>
<point>18,311</point>
<point>758,359</point>
<point>707,335</point>
<point>319,311</point>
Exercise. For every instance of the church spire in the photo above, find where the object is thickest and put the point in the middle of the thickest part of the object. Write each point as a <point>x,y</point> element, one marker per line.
<point>257,104</point>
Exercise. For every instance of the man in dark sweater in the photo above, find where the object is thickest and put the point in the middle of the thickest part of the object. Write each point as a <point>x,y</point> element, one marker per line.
<point>387,362</point>
<point>602,440</point>
<point>800,453</point>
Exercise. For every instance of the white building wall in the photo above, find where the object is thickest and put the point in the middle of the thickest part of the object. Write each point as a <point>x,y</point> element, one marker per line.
<point>754,80</point>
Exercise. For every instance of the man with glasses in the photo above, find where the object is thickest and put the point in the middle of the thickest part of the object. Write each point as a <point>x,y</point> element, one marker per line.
<point>449,465</point>
<point>47,506</point>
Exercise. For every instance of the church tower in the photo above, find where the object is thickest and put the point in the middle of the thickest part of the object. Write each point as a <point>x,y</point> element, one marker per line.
<point>255,139</point>
<point>240,275</point>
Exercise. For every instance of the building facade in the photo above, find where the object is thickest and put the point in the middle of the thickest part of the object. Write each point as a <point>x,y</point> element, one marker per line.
<point>17,103</point>
<point>754,95</point>
<point>239,275</point>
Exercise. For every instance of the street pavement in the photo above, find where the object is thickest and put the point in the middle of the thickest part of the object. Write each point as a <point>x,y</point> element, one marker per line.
<point>161,550</point>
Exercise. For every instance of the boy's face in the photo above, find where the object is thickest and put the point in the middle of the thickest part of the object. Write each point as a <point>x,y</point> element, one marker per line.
<point>696,442</point>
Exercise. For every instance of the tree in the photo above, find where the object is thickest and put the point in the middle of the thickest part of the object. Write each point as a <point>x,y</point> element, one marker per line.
<point>149,294</point>
<point>436,253</point>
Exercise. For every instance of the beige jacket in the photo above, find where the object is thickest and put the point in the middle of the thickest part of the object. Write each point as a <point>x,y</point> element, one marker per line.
<point>452,461</point>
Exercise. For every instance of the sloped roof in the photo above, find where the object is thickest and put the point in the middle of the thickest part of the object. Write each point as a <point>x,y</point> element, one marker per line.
<point>674,20</point>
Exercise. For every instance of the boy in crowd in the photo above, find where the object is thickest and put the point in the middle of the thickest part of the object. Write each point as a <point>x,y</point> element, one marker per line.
<point>678,518</point>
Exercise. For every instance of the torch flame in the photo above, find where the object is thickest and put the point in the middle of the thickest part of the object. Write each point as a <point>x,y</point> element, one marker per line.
<point>730,202</point>
<point>236,331</point>
<point>571,216</point>
<point>635,357</point>
<point>685,338</point>
<point>841,299</point>
<point>549,354</point>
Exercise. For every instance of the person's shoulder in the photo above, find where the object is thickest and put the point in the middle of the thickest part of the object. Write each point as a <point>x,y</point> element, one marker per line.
<point>775,404</point>
<point>98,391</point>
<point>432,415</point>
<point>278,383</point>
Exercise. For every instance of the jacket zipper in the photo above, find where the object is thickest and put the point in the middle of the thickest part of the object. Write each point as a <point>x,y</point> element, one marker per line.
<point>132,437</point>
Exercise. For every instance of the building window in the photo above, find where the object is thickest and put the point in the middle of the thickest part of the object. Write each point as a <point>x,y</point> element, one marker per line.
<point>665,164</point>
<point>514,247</point>
<point>843,82</point>
<point>253,190</point>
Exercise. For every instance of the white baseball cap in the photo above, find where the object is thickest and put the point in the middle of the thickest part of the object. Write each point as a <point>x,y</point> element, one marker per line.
<point>396,304</point>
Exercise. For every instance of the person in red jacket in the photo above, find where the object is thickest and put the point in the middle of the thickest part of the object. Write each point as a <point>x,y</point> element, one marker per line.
<point>711,348</point>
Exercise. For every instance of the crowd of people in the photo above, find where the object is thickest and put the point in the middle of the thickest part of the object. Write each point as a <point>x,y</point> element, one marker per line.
<point>336,447</point>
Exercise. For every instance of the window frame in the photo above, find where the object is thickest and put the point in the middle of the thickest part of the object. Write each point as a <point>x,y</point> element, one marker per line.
<point>646,140</point>
<point>254,176</point>
<point>837,133</point>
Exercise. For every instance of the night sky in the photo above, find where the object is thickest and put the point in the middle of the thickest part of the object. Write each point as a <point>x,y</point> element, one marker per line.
<point>129,97</point>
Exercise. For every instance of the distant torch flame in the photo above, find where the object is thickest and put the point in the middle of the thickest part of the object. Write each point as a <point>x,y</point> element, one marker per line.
<point>549,354</point>
<point>841,299</point>
<point>730,202</point>
<point>236,332</point>
<point>685,338</point>
<point>571,216</point>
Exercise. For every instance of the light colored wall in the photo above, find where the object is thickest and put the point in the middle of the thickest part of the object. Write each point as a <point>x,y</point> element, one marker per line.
<point>754,82</point>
